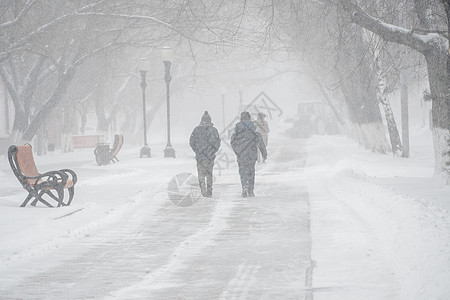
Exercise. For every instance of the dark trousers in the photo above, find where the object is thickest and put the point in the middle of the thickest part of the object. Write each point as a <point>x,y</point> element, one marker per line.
<point>205,179</point>
<point>247,174</point>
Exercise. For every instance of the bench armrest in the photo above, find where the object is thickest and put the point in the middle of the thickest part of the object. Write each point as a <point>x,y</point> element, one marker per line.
<point>51,179</point>
<point>73,175</point>
<point>29,179</point>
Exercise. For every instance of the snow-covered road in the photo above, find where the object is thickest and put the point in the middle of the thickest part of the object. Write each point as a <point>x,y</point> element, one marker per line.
<point>324,225</point>
<point>221,248</point>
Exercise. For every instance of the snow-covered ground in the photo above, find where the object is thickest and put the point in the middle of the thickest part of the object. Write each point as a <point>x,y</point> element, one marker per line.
<point>330,220</point>
<point>378,219</point>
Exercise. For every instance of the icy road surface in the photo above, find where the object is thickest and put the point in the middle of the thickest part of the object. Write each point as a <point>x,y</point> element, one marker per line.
<point>319,228</point>
<point>145,247</point>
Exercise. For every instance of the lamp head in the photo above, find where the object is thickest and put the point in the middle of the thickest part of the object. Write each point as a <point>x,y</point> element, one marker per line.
<point>144,65</point>
<point>166,53</point>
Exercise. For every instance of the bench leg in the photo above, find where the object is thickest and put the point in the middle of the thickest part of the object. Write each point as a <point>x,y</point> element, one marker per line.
<point>71,193</point>
<point>58,198</point>
<point>38,198</point>
<point>57,195</point>
<point>45,202</point>
<point>97,157</point>
<point>27,199</point>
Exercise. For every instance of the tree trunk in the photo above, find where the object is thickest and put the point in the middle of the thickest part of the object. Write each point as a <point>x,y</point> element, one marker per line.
<point>377,50</point>
<point>405,115</point>
<point>437,74</point>
<point>49,105</point>
<point>338,112</point>
<point>394,135</point>
<point>102,121</point>
<point>446,4</point>
<point>20,122</point>
<point>82,109</point>
<point>360,90</point>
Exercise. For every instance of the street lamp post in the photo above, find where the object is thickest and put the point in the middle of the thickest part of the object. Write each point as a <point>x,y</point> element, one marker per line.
<point>144,66</point>
<point>223,108</point>
<point>166,54</point>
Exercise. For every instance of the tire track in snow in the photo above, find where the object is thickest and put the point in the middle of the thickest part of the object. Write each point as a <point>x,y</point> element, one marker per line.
<point>239,286</point>
<point>43,250</point>
<point>187,249</point>
<point>309,270</point>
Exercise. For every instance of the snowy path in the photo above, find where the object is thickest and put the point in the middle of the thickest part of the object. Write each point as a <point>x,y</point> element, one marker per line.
<point>320,227</point>
<point>147,248</point>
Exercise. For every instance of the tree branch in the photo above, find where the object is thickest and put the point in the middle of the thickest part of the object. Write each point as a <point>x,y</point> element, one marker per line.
<point>21,14</point>
<point>419,42</point>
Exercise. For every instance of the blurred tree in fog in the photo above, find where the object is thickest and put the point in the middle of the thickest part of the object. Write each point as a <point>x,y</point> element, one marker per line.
<point>353,70</point>
<point>78,54</point>
<point>333,39</point>
<point>426,32</point>
<point>43,44</point>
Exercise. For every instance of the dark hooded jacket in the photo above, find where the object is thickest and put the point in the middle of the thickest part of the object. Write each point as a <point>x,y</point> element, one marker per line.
<point>205,141</point>
<point>245,142</point>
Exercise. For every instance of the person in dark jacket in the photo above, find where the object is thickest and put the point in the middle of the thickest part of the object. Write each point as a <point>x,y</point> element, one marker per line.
<point>262,127</point>
<point>245,142</point>
<point>205,142</point>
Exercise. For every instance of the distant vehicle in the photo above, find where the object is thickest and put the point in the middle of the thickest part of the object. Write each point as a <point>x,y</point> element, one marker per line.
<point>313,118</point>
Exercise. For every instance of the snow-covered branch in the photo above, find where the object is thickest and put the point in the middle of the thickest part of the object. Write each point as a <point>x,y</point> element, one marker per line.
<point>125,16</point>
<point>19,16</point>
<point>421,42</point>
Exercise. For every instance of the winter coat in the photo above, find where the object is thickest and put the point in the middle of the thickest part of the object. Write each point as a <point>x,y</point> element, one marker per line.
<point>245,142</point>
<point>263,128</point>
<point>205,141</point>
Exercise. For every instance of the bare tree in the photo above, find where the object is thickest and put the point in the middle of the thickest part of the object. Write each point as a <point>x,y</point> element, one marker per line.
<point>59,37</point>
<point>376,47</point>
<point>428,40</point>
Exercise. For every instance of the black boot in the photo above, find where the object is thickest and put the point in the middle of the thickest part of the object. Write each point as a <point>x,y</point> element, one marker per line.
<point>203,190</point>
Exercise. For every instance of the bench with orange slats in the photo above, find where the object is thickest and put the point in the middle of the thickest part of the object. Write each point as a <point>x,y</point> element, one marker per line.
<point>41,187</point>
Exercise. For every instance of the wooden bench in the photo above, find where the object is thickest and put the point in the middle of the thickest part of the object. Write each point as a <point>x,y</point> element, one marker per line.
<point>85,141</point>
<point>117,145</point>
<point>104,154</point>
<point>42,187</point>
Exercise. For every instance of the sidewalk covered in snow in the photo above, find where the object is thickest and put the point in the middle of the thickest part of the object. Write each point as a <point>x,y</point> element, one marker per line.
<point>351,225</point>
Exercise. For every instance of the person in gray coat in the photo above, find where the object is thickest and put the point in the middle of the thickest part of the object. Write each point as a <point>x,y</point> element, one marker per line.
<point>262,127</point>
<point>245,142</point>
<point>205,142</point>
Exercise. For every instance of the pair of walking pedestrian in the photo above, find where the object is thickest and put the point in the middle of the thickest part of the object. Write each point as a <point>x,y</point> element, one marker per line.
<point>245,141</point>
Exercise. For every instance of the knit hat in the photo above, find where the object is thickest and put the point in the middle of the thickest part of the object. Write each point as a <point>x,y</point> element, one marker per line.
<point>206,118</point>
<point>245,116</point>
